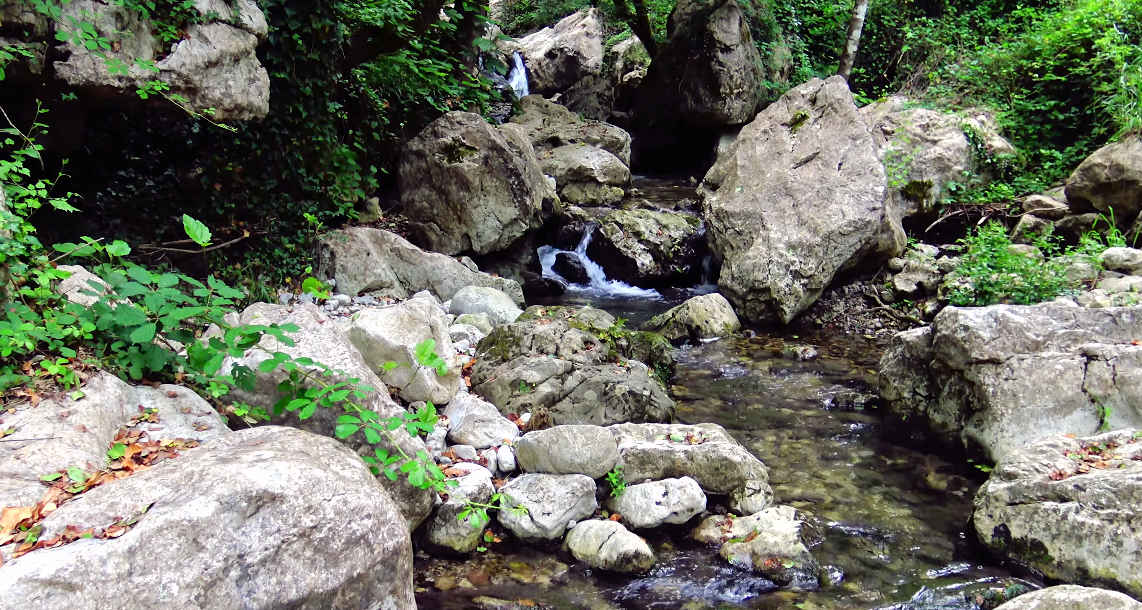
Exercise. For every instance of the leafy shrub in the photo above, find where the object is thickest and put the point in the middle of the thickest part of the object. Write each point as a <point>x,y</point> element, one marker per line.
<point>991,271</point>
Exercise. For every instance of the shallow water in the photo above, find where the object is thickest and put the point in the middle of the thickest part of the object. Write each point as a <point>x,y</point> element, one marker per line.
<point>889,520</point>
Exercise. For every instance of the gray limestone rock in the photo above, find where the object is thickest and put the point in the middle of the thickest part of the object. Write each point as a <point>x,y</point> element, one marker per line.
<point>549,504</point>
<point>607,545</point>
<point>568,449</point>
<point>652,504</point>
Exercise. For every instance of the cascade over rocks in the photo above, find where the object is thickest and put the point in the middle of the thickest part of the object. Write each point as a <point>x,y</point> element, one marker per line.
<point>77,432</point>
<point>262,518</point>
<point>467,186</point>
<point>213,66</point>
<point>993,379</point>
<point>924,150</point>
<point>560,56</point>
<point>363,259</point>
<point>324,341</point>
<point>550,360</point>
<point>1111,178</point>
<point>648,247</point>
<point>798,198</point>
<point>1067,507</point>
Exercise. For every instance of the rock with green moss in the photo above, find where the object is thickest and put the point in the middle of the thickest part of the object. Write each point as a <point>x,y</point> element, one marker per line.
<point>648,247</point>
<point>556,359</point>
<point>702,317</point>
<point>1068,507</point>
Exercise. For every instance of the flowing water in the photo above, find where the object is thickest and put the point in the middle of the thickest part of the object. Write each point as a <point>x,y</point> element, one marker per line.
<point>888,523</point>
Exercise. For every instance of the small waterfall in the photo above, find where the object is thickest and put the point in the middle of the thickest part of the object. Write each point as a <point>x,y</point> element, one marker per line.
<point>517,78</point>
<point>599,284</point>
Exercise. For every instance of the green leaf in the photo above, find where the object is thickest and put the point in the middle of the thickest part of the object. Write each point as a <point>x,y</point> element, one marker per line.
<point>196,231</point>
<point>344,431</point>
<point>372,436</point>
<point>48,478</point>
<point>117,451</point>
<point>424,351</point>
<point>140,275</point>
<point>144,333</point>
<point>76,474</point>
<point>315,287</point>
<point>390,365</point>
<point>129,315</point>
<point>118,248</point>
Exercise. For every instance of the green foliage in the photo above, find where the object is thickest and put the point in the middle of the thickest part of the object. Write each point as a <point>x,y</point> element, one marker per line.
<point>991,272</point>
<point>617,481</point>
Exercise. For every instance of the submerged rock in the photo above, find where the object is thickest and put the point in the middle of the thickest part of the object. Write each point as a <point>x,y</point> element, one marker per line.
<point>246,521</point>
<point>607,545</point>
<point>769,543</point>
<point>1067,507</point>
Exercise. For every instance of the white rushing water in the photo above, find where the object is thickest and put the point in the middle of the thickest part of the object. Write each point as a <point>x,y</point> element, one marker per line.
<point>517,78</point>
<point>599,285</point>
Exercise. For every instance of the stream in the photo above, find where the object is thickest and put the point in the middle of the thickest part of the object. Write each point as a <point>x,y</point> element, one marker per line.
<point>889,522</point>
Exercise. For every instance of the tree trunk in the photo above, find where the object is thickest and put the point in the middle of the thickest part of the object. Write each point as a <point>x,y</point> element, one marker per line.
<point>852,41</point>
<point>639,22</point>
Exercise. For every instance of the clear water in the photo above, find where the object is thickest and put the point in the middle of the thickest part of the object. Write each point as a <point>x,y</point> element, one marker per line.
<point>889,521</point>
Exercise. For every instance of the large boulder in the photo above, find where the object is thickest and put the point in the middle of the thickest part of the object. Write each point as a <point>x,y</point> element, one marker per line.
<point>213,66</point>
<point>709,73</point>
<point>992,379</point>
<point>549,125</point>
<point>556,366</point>
<point>363,259</point>
<point>541,506</point>
<point>77,431</point>
<point>1111,178</point>
<point>925,150</point>
<point>703,452</point>
<point>319,338</point>
<point>1067,507</point>
<point>609,95</point>
<point>705,316</point>
<point>559,56</point>
<point>798,198</point>
<point>648,247</point>
<point>393,334</point>
<point>1069,597</point>
<point>262,518</point>
<point>607,545</point>
<point>467,186</point>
